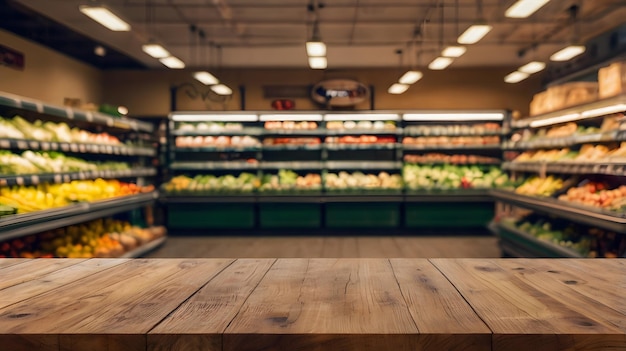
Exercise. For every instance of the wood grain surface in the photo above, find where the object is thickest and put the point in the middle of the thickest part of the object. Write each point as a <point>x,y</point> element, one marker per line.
<point>312,304</point>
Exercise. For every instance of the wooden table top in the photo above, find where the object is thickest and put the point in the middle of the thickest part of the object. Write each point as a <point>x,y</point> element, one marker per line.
<point>312,304</point>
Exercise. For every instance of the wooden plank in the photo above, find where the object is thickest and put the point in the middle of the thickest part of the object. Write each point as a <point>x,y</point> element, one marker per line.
<point>32,269</point>
<point>339,247</point>
<point>381,247</point>
<point>521,316</point>
<point>52,280</point>
<point>7,262</point>
<point>126,300</point>
<point>302,304</point>
<point>198,323</point>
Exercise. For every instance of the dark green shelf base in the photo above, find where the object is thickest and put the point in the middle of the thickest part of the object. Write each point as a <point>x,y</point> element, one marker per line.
<point>448,214</point>
<point>194,216</point>
<point>290,215</point>
<point>363,215</point>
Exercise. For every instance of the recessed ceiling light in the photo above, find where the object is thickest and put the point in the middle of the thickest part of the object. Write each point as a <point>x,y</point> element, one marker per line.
<point>315,48</point>
<point>524,8</point>
<point>221,89</point>
<point>440,63</point>
<point>474,33</point>
<point>172,62</point>
<point>105,17</point>
<point>318,62</point>
<point>397,88</point>
<point>453,51</point>
<point>568,53</point>
<point>155,50</point>
<point>205,78</point>
<point>515,77</point>
<point>532,67</point>
<point>410,77</point>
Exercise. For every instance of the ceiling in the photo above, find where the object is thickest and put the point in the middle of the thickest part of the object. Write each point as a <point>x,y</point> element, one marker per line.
<point>358,33</point>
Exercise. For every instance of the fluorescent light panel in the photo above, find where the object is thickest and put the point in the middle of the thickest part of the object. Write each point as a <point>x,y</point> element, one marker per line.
<point>460,116</point>
<point>205,78</point>
<point>362,117</point>
<point>318,62</point>
<point>440,63</point>
<point>291,117</point>
<point>221,89</point>
<point>172,62</point>
<point>155,50</point>
<point>410,77</point>
<point>532,67</point>
<point>604,111</point>
<point>203,117</point>
<point>524,8</point>
<point>315,48</point>
<point>397,88</point>
<point>474,34</point>
<point>568,53</point>
<point>555,120</point>
<point>515,77</point>
<point>105,17</point>
<point>453,51</point>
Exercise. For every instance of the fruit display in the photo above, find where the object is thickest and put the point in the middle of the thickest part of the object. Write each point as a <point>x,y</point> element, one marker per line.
<point>287,180</point>
<point>290,125</point>
<point>362,125</point>
<point>216,141</point>
<point>19,128</point>
<point>597,194</point>
<point>363,139</point>
<point>243,183</point>
<point>447,141</point>
<point>291,141</point>
<point>588,153</point>
<point>587,241</point>
<point>31,162</point>
<point>457,129</point>
<point>46,196</point>
<point>361,181</point>
<point>546,155</point>
<point>445,177</point>
<point>450,159</point>
<point>212,127</point>
<point>98,238</point>
<point>537,186</point>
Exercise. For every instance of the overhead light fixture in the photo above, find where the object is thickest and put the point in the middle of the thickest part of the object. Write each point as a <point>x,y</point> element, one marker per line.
<point>362,117</point>
<point>524,8</point>
<point>453,51</point>
<point>515,77</point>
<point>315,48</point>
<point>474,34</point>
<point>205,78</point>
<point>291,117</point>
<point>602,111</point>
<point>410,77</point>
<point>122,110</point>
<point>440,63</point>
<point>155,50</point>
<point>221,89</point>
<point>199,117</point>
<point>532,67</point>
<point>318,62</point>
<point>454,116</point>
<point>397,88</point>
<point>555,120</point>
<point>172,62</point>
<point>568,53</point>
<point>105,17</point>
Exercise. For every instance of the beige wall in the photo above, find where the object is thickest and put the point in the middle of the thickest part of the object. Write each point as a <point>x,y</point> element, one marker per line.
<point>48,75</point>
<point>146,93</point>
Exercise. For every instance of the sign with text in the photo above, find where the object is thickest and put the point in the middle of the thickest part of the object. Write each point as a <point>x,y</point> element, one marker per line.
<point>11,58</point>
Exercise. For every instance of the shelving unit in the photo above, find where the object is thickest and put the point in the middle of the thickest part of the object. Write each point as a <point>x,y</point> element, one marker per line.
<point>134,152</point>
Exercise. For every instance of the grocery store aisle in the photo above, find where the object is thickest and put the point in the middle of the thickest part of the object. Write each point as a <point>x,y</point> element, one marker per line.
<point>311,247</point>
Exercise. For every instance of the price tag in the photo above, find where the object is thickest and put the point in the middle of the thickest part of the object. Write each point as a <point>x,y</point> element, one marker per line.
<point>81,176</point>
<point>34,145</point>
<point>53,146</point>
<point>22,145</point>
<point>597,168</point>
<point>5,144</point>
<point>34,179</point>
<point>19,181</point>
<point>66,178</point>
<point>45,146</point>
<point>82,148</point>
<point>57,178</point>
<point>74,147</point>
<point>133,125</point>
<point>109,149</point>
<point>110,122</point>
<point>70,113</point>
<point>39,107</point>
<point>89,116</point>
<point>65,147</point>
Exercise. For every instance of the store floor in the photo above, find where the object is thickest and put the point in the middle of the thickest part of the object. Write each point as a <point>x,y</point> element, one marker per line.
<point>316,246</point>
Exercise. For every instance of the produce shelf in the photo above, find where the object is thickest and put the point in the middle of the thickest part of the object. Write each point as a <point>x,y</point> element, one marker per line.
<point>382,146</point>
<point>23,144</point>
<point>145,248</point>
<point>207,198</point>
<point>334,132</point>
<point>365,165</point>
<point>457,195</point>
<point>607,168</point>
<point>36,222</point>
<point>595,217</point>
<point>217,149</point>
<point>294,132</point>
<point>34,179</point>
<point>217,165</point>
<point>292,165</point>
<point>451,147</point>
<point>20,103</point>
<point>530,244</point>
<point>546,143</point>
<point>291,198</point>
<point>316,147</point>
<point>252,131</point>
<point>416,133</point>
<point>364,197</point>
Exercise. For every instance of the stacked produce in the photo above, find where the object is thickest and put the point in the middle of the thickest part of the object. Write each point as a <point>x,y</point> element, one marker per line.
<point>444,177</point>
<point>359,180</point>
<point>587,153</point>
<point>51,162</point>
<point>444,141</point>
<point>362,125</point>
<point>450,159</point>
<point>597,194</point>
<point>458,129</point>
<point>292,141</point>
<point>217,141</point>
<point>24,199</point>
<point>587,241</point>
<point>244,183</point>
<point>287,180</point>
<point>362,139</point>
<point>99,238</point>
<point>546,155</point>
<point>210,127</point>
<point>537,186</point>
<point>290,125</point>
<point>19,128</point>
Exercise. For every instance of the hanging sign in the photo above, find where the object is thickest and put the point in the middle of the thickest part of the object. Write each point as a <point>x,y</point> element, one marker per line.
<point>340,92</point>
<point>11,58</point>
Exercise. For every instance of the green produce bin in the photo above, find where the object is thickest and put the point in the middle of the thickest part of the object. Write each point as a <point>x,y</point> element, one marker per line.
<point>196,216</point>
<point>448,214</point>
<point>363,215</point>
<point>277,215</point>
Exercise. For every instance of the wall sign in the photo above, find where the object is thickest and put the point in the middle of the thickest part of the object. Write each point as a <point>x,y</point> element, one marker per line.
<point>340,92</point>
<point>11,58</point>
